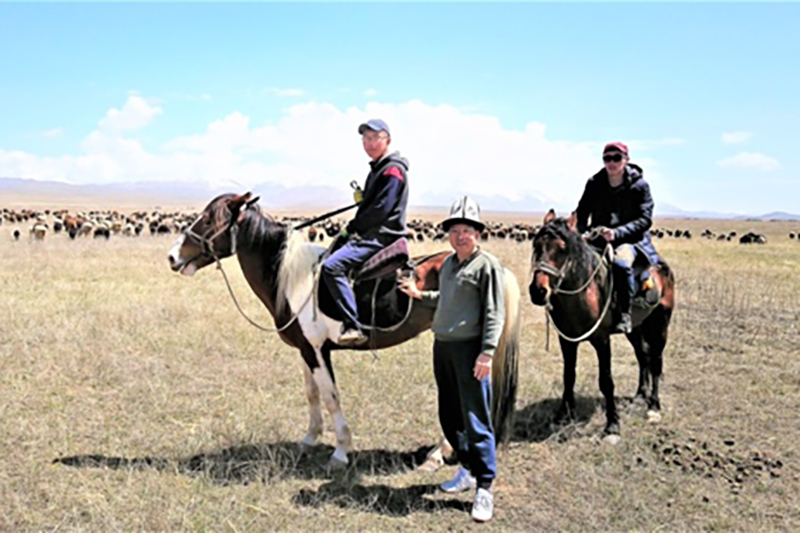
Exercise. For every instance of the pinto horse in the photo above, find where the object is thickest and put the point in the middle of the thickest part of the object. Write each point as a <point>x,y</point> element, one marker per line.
<point>280,269</point>
<point>576,285</point>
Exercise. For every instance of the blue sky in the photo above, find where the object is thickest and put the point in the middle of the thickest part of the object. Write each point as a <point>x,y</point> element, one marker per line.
<point>514,100</point>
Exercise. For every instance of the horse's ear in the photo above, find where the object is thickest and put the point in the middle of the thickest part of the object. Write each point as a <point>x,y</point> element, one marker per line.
<point>572,222</point>
<point>247,205</point>
<point>238,201</point>
<point>550,216</point>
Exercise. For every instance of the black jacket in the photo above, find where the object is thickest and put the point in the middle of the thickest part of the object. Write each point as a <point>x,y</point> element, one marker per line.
<point>627,209</point>
<point>382,212</point>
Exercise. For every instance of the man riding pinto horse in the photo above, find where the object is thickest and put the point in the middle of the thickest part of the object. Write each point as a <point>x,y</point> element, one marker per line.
<point>617,200</point>
<point>379,221</point>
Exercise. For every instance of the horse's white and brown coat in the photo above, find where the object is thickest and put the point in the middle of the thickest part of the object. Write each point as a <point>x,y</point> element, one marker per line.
<point>280,269</point>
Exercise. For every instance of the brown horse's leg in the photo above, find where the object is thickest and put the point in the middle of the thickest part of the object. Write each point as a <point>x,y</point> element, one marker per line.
<point>566,411</point>
<point>315,409</point>
<point>654,331</point>
<point>641,348</point>
<point>603,348</point>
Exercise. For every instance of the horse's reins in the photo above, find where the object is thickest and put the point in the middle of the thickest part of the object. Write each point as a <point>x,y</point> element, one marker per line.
<point>208,247</point>
<point>560,274</point>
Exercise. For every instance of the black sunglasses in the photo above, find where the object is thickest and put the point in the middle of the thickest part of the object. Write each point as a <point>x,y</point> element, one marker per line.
<point>616,158</point>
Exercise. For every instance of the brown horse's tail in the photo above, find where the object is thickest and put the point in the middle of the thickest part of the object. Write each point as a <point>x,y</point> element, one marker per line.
<point>506,363</point>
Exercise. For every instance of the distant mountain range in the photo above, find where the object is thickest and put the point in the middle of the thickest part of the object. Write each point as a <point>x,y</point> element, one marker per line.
<point>280,197</point>
<point>667,210</point>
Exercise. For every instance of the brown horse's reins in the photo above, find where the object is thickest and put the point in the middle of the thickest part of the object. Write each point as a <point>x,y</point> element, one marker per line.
<point>208,247</point>
<point>560,274</point>
<point>207,244</point>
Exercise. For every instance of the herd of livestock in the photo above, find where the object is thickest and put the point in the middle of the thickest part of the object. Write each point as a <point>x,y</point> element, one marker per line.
<point>36,225</point>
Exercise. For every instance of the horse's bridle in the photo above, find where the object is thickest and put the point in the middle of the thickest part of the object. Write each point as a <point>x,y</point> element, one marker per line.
<point>559,275</point>
<point>207,243</point>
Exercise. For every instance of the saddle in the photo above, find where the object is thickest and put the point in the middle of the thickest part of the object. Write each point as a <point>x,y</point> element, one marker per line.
<point>648,294</point>
<point>388,260</point>
<point>375,288</point>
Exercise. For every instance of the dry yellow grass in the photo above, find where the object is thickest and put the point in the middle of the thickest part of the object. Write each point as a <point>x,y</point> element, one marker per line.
<point>193,416</point>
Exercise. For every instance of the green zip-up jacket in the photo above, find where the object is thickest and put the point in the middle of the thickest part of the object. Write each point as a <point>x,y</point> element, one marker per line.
<point>470,301</point>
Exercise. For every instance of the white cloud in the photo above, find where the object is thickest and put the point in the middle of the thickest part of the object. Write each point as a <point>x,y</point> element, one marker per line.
<point>369,93</point>
<point>277,91</point>
<point>736,137</point>
<point>316,143</point>
<point>751,160</point>
<point>135,114</point>
<point>53,133</point>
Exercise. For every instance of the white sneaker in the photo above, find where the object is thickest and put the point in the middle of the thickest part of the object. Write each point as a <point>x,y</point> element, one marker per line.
<point>483,507</point>
<point>463,481</point>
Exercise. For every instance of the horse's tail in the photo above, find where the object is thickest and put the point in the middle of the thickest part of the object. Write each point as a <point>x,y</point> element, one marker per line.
<point>506,364</point>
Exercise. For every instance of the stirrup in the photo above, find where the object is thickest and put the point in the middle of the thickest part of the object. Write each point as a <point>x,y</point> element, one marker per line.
<point>352,337</point>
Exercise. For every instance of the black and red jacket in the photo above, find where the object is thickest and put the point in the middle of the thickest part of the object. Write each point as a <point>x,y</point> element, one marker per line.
<point>382,212</point>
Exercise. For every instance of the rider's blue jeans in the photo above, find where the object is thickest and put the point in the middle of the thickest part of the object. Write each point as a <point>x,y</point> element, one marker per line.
<point>624,256</point>
<point>349,257</point>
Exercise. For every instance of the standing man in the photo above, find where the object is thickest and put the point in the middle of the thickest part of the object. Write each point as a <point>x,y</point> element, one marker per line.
<point>379,221</point>
<point>618,200</point>
<point>469,318</point>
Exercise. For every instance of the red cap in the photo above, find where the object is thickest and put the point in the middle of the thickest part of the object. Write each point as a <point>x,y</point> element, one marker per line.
<point>616,147</point>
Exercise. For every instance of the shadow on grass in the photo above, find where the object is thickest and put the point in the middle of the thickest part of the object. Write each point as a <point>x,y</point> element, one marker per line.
<point>263,463</point>
<point>379,499</point>
<point>534,422</point>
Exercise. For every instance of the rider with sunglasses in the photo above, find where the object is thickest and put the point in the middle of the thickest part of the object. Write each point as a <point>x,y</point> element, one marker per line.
<point>618,204</point>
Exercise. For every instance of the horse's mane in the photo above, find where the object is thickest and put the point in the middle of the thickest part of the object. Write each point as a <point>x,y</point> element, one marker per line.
<point>293,259</point>
<point>260,231</point>
<point>577,248</point>
<point>297,262</point>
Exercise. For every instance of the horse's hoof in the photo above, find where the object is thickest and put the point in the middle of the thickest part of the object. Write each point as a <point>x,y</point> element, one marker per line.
<point>612,439</point>
<point>653,417</point>
<point>335,465</point>
<point>562,418</point>
<point>432,464</point>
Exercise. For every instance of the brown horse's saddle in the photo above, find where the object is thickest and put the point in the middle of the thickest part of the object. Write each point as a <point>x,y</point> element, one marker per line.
<point>388,260</point>
<point>648,294</point>
<point>378,301</point>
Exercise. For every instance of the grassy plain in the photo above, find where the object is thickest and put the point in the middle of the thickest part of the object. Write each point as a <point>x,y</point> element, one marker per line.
<point>179,415</point>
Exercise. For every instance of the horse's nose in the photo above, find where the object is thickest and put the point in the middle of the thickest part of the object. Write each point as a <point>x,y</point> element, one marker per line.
<point>537,293</point>
<point>171,260</point>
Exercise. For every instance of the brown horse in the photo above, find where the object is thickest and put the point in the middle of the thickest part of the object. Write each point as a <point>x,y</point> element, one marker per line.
<point>576,285</point>
<point>280,269</point>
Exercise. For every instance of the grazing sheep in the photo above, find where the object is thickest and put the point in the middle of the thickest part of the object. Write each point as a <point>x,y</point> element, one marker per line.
<point>39,231</point>
<point>753,238</point>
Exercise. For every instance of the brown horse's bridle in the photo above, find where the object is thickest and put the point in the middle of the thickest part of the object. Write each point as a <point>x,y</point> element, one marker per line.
<point>207,243</point>
<point>559,275</point>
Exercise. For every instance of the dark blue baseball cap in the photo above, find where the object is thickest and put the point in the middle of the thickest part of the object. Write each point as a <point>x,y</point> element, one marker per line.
<point>375,124</point>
